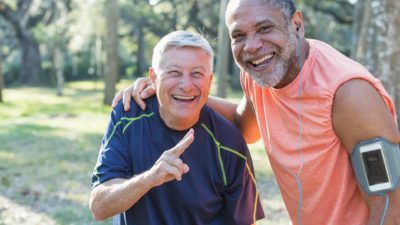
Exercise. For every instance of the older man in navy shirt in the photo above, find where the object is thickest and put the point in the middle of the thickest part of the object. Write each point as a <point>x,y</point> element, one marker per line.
<point>177,162</point>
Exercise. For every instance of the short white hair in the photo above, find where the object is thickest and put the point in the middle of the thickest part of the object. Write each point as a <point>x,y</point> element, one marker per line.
<point>180,38</point>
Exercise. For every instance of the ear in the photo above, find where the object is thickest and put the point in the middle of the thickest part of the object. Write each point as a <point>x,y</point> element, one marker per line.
<point>152,75</point>
<point>297,24</point>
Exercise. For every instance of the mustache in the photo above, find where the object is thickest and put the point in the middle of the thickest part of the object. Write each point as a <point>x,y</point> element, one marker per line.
<point>245,57</point>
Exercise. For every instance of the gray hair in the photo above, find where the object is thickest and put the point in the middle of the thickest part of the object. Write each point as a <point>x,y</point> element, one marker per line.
<point>286,6</point>
<point>180,38</point>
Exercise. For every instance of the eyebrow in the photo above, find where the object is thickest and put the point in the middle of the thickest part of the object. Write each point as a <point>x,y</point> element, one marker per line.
<point>200,67</point>
<point>259,23</point>
<point>174,66</point>
<point>268,21</point>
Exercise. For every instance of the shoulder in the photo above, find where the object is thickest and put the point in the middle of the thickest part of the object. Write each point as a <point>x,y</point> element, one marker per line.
<point>225,131</point>
<point>329,69</point>
<point>359,113</point>
<point>135,110</point>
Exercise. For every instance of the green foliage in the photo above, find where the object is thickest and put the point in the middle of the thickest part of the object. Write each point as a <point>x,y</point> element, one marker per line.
<point>330,21</point>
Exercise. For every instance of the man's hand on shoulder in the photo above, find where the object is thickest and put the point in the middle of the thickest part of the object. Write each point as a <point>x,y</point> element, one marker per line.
<point>138,90</point>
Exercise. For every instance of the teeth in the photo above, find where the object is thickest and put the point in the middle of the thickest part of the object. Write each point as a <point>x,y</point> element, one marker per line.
<point>183,97</point>
<point>267,57</point>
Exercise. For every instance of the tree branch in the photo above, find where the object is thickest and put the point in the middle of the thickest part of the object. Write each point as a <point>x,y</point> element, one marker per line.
<point>23,7</point>
<point>7,13</point>
<point>46,16</point>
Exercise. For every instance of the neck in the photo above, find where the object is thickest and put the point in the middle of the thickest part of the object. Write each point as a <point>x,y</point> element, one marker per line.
<point>294,70</point>
<point>179,124</point>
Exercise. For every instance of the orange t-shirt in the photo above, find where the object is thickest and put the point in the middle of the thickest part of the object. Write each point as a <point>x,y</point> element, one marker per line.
<point>329,190</point>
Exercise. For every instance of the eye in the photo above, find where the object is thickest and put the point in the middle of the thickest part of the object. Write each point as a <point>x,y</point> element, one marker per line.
<point>237,37</point>
<point>197,74</point>
<point>174,73</point>
<point>265,29</point>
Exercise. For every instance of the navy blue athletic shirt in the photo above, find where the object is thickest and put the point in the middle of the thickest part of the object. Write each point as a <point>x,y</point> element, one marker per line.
<point>219,188</point>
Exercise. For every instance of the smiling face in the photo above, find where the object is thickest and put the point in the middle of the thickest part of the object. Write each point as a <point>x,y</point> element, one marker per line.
<point>263,43</point>
<point>182,85</point>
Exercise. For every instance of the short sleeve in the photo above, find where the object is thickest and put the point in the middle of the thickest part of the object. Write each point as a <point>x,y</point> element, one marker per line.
<point>113,160</point>
<point>242,201</point>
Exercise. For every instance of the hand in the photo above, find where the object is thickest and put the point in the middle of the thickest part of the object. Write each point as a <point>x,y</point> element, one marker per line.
<point>141,89</point>
<point>169,166</point>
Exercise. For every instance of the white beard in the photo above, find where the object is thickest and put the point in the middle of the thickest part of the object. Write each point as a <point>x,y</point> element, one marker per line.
<point>279,70</point>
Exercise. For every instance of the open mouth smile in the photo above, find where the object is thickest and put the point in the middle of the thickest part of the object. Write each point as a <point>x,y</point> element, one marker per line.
<point>181,98</point>
<point>261,62</point>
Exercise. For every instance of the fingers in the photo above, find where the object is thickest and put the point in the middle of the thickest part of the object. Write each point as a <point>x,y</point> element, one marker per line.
<point>183,144</point>
<point>139,100</point>
<point>185,168</point>
<point>172,173</point>
<point>180,167</point>
<point>178,163</point>
<point>148,91</point>
<point>126,97</point>
<point>117,98</point>
<point>139,86</point>
<point>169,166</point>
<point>167,170</point>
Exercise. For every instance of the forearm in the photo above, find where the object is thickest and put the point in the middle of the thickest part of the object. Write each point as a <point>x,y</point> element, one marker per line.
<point>224,107</point>
<point>376,206</point>
<point>118,195</point>
<point>242,115</point>
<point>393,217</point>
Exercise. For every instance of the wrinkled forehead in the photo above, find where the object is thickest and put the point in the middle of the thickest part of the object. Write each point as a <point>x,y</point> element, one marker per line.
<point>235,6</point>
<point>180,55</point>
<point>246,15</point>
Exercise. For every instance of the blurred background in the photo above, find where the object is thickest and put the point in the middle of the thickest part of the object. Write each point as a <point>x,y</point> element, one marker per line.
<point>62,61</point>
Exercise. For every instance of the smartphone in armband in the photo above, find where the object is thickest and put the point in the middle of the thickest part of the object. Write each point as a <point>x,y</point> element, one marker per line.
<point>376,164</point>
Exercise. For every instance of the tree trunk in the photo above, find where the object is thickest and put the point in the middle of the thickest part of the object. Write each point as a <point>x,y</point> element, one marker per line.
<point>357,21</point>
<point>111,69</point>
<point>140,63</point>
<point>174,19</point>
<point>59,69</point>
<point>1,84</point>
<point>99,58</point>
<point>31,67</point>
<point>388,67</point>
<point>382,56</point>
<point>363,29</point>
<point>223,48</point>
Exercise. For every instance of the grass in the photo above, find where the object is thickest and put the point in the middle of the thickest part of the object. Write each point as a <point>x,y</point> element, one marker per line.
<point>49,145</point>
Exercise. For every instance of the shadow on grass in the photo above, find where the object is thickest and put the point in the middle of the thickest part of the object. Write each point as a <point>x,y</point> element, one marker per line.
<point>47,172</point>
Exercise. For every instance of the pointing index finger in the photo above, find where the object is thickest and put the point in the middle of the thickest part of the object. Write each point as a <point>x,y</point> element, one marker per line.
<point>183,144</point>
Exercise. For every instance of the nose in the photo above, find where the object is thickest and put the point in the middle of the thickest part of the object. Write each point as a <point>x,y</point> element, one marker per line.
<point>186,82</point>
<point>253,43</point>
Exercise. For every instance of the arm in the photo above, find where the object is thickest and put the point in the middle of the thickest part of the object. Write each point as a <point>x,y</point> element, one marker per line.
<point>358,114</point>
<point>242,115</point>
<point>118,195</point>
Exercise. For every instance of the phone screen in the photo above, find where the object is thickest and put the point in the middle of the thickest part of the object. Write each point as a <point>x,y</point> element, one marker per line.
<point>375,167</point>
